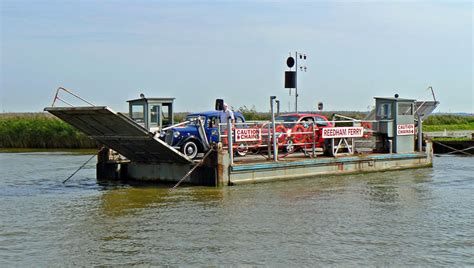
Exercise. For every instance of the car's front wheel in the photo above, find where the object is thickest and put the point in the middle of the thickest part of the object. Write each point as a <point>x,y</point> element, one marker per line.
<point>190,149</point>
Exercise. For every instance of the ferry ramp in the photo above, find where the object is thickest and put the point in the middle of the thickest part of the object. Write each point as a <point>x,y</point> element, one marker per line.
<point>422,108</point>
<point>120,133</point>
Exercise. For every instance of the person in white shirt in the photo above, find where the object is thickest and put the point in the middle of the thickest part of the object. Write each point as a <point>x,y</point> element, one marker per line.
<point>227,114</point>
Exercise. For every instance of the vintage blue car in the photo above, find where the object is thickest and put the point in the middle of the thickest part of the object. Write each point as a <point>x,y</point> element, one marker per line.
<point>188,139</point>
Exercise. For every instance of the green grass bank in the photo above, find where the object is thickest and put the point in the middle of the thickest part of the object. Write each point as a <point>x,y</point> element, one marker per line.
<point>40,130</point>
<point>448,122</point>
<point>44,131</point>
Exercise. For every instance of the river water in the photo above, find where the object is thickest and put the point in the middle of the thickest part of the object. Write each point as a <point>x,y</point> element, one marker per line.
<point>421,217</point>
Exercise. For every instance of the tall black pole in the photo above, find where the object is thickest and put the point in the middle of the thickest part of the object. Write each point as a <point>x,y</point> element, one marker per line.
<point>296,81</point>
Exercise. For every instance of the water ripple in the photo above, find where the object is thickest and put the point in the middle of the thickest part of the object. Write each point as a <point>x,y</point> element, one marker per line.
<point>417,217</point>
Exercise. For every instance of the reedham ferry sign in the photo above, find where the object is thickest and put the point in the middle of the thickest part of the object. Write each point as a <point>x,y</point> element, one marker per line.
<point>342,132</point>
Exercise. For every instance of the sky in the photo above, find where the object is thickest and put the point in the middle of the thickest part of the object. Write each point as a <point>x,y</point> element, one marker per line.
<point>197,51</point>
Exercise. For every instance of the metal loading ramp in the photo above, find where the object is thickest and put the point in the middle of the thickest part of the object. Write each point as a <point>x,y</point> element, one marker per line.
<point>423,108</point>
<point>120,133</point>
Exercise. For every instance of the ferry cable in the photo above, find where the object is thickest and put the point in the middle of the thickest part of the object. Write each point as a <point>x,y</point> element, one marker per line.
<point>79,168</point>
<point>454,150</point>
<point>85,163</point>
<point>191,171</point>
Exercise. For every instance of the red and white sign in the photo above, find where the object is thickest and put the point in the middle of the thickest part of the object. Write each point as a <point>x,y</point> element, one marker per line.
<point>248,134</point>
<point>405,129</point>
<point>342,132</point>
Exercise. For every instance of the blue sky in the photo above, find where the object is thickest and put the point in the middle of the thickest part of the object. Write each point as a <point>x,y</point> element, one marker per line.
<point>197,51</point>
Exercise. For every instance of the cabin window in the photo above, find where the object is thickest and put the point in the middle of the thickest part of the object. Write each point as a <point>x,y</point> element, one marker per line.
<point>405,109</point>
<point>385,111</point>
<point>138,113</point>
<point>165,114</point>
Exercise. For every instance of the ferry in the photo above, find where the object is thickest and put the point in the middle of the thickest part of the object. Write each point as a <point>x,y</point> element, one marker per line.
<point>145,144</point>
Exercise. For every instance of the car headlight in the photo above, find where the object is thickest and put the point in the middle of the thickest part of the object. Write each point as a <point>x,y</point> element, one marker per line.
<point>162,134</point>
<point>176,134</point>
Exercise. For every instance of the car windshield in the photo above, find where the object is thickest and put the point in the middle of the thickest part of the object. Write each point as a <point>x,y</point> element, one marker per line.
<point>289,121</point>
<point>193,119</point>
<point>287,118</point>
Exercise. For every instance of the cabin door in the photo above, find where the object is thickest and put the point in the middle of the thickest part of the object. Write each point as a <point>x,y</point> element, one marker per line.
<point>155,122</point>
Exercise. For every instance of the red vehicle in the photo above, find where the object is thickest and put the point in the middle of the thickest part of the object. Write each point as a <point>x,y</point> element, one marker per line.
<point>299,130</point>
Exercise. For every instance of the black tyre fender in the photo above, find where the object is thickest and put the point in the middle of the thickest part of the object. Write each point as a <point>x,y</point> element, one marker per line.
<point>289,146</point>
<point>241,150</point>
<point>327,150</point>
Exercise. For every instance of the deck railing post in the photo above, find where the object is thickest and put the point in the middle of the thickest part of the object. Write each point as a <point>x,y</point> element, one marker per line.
<point>275,147</point>
<point>314,140</point>
<point>420,134</point>
<point>269,143</point>
<point>231,143</point>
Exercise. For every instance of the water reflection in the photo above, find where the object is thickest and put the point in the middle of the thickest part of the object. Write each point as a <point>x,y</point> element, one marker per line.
<point>316,187</point>
<point>396,186</point>
<point>383,187</point>
<point>124,200</point>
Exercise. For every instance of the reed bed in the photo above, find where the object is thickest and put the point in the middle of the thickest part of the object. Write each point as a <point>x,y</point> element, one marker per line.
<point>40,130</point>
<point>448,122</point>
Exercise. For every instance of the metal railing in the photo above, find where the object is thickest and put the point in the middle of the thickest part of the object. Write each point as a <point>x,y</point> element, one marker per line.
<point>61,89</point>
<point>291,137</point>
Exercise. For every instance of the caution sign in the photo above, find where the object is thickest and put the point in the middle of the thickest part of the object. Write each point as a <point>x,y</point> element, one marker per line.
<point>248,134</point>
<point>405,129</point>
<point>342,132</point>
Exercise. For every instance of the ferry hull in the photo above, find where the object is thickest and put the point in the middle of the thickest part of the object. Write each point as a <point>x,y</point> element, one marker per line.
<point>216,170</point>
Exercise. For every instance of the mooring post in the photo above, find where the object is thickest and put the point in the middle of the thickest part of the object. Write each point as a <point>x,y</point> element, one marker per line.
<point>314,140</point>
<point>420,134</point>
<point>231,143</point>
<point>269,150</point>
<point>275,147</point>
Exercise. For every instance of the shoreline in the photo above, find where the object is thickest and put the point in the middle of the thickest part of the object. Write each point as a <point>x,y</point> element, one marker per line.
<point>85,151</point>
